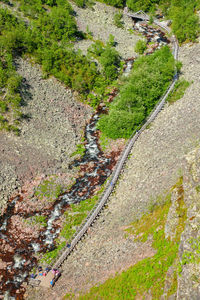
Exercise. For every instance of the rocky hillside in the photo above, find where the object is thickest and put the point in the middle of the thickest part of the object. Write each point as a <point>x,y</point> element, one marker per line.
<point>157,160</point>
<point>189,250</point>
<point>99,21</point>
<point>55,119</point>
<point>48,136</point>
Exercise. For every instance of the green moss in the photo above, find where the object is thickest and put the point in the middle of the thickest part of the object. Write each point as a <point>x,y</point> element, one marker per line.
<point>73,218</point>
<point>37,220</point>
<point>80,150</point>
<point>48,190</point>
<point>197,188</point>
<point>173,288</point>
<point>179,90</point>
<point>181,212</point>
<point>104,141</point>
<point>192,256</point>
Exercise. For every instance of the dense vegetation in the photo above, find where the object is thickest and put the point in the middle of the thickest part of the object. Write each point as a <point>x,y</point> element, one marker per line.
<point>148,80</point>
<point>182,12</point>
<point>140,46</point>
<point>48,35</point>
<point>185,23</point>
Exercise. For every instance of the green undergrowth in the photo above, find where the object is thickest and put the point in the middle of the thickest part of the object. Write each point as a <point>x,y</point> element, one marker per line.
<point>141,90</point>
<point>37,220</point>
<point>192,256</point>
<point>80,148</point>
<point>118,20</point>
<point>48,39</point>
<point>147,276</point>
<point>104,141</point>
<point>10,99</point>
<point>48,190</point>
<point>73,218</point>
<point>178,91</point>
<point>182,13</point>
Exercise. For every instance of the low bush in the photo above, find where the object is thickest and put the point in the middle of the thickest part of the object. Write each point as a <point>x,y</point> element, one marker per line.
<point>178,91</point>
<point>140,46</point>
<point>118,20</point>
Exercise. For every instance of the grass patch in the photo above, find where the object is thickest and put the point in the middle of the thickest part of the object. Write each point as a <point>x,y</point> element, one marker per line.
<point>104,141</point>
<point>73,218</point>
<point>37,220</point>
<point>179,90</point>
<point>149,274</point>
<point>48,190</point>
<point>192,256</point>
<point>197,188</point>
<point>80,150</point>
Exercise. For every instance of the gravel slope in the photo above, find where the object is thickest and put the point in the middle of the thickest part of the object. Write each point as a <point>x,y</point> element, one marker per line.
<point>47,138</point>
<point>154,166</point>
<point>99,21</point>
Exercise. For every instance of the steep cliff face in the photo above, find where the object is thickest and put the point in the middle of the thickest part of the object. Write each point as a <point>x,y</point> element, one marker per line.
<point>189,250</point>
<point>183,277</point>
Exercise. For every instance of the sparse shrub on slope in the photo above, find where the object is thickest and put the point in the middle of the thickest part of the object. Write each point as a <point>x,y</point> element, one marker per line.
<point>118,20</point>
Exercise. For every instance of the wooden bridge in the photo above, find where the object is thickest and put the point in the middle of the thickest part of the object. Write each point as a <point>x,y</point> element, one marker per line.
<point>118,168</point>
<point>140,15</point>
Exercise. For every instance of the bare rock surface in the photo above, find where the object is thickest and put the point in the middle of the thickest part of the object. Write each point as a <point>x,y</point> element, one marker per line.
<point>154,166</point>
<point>47,138</point>
<point>189,250</point>
<point>99,21</point>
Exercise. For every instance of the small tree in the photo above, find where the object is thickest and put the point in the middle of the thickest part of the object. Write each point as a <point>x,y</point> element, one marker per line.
<point>118,20</point>
<point>140,46</point>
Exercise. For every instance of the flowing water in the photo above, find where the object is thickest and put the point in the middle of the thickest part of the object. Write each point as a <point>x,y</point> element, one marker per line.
<point>18,247</point>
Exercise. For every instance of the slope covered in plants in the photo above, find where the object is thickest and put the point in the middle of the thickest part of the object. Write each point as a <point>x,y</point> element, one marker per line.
<point>147,82</point>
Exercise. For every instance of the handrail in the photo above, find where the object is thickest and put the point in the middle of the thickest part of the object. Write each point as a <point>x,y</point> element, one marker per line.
<point>124,155</point>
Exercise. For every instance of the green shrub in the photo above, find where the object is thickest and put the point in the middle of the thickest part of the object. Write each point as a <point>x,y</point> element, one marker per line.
<point>178,91</point>
<point>118,20</point>
<point>185,24</point>
<point>145,5</point>
<point>116,3</point>
<point>147,82</point>
<point>110,61</point>
<point>140,46</point>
